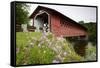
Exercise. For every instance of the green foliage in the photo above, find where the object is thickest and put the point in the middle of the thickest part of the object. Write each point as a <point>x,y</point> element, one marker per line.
<point>72,55</point>
<point>92,31</point>
<point>24,38</point>
<point>91,27</point>
<point>43,55</point>
<point>22,13</point>
<point>90,52</point>
<point>32,53</point>
<point>81,22</point>
<point>35,48</point>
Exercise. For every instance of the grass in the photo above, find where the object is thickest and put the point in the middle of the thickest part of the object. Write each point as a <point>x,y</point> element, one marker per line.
<point>29,53</point>
<point>24,38</point>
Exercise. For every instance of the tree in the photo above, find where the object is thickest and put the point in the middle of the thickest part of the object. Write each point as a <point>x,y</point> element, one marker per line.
<point>92,31</point>
<point>81,22</point>
<point>22,13</point>
<point>91,27</point>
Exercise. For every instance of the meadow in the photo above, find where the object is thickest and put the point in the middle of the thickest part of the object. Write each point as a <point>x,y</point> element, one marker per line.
<point>41,48</point>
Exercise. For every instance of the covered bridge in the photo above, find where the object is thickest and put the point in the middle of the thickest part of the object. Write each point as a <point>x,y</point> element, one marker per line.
<point>57,23</point>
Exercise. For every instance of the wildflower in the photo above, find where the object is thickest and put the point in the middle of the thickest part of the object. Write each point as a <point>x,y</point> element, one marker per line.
<point>59,47</point>
<point>44,51</point>
<point>43,46</point>
<point>31,46</point>
<point>55,49</point>
<point>50,43</point>
<point>44,33</point>
<point>17,50</point>
<point>34,39</point>
<point>31,43</point>
<point>65,53</point>
<point>39,45</point>
<point>59,56</point>
<point>41,42</point>
<point>47,40</point>
<point>60,38</point>
<point>55,61</point>
<point>42,37</point>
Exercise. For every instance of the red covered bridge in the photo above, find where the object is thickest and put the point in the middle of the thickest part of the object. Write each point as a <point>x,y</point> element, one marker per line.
<point>57,23</point>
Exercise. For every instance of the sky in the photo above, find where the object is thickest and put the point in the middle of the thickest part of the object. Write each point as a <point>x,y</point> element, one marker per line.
<point>77,13</point>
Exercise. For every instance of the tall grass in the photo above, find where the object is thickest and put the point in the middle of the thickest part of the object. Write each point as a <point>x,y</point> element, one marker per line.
<point>40,48</point>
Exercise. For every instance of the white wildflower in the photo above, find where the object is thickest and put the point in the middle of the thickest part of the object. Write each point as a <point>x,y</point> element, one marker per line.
<point>55,61</point>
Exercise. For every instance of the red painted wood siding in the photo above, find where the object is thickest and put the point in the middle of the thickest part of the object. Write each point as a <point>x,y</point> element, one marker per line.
<point>55,25</point>
<point>66,30</point>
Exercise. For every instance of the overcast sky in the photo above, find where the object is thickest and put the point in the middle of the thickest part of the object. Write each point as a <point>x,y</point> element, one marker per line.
<point>77,13</point>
